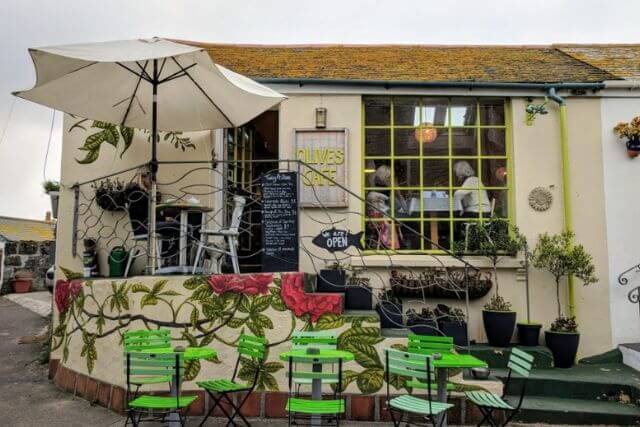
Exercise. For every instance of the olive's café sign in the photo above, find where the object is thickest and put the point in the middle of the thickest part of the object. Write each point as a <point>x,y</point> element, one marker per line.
<point>325,151</point>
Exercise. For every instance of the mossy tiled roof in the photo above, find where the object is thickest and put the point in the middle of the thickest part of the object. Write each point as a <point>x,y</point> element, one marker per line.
<point>621,60</point>
<point>538,64</point>
<point>18,229</point>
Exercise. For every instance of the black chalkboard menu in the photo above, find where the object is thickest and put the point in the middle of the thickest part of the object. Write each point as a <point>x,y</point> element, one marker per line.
<point>280,222</point>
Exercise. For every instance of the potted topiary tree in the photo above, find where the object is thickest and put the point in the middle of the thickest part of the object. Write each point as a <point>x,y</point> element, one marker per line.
<point>562,258</point>
<point>52,188</point>
<point>390,310</point>
<point>529,332</point>
<point>494,240</point>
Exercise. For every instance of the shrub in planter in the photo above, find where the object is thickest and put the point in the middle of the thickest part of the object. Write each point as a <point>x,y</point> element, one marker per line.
<point>332,279</point>
<point>499,321</point>
<point>390,310</point>
<point>561,257</point>
<point>528,333</point>
<point>52,188</point>
<point>423,323</point>
<point>357,295</point>
<point>452,323</point>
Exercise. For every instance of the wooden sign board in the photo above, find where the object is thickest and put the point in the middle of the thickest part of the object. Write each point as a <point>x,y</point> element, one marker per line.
<point>325,151</point>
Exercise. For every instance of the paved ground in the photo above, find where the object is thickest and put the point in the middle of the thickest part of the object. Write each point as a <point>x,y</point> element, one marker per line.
<point>38,302</point>
<point>28,398</point>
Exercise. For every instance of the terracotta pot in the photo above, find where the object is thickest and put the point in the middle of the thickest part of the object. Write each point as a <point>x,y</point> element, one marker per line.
<point>633,153</point>
<point>21,286</point>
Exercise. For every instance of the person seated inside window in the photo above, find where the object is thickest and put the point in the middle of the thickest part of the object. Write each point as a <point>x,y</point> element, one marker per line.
<point>471,199</point>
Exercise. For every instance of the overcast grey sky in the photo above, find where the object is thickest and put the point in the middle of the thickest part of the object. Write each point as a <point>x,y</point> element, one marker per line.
<point>31,23</point>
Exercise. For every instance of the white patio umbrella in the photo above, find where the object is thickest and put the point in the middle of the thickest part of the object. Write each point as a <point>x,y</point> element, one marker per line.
<point>154,84</point>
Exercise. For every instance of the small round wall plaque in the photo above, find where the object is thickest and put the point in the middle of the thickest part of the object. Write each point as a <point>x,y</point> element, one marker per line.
<point>540,199</point>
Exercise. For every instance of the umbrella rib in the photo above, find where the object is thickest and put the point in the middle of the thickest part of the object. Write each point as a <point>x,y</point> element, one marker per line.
<point>133,95</point>
<point>176,75</point>
<point>144,69</point>
<point>133,72</point>
<point>203,92</point>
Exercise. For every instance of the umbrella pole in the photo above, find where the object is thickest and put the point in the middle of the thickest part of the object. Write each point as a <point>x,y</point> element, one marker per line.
<point>151,241</point>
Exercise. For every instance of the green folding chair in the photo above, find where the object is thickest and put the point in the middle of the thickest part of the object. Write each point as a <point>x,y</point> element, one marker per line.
<point>520,363</point>
<point>250,347</point>
<point>429,345</point>
<point>147,340</point>
<point>323,340</point>
<point>156,408</point>
<point>305,410</point>
<point>416,366</point>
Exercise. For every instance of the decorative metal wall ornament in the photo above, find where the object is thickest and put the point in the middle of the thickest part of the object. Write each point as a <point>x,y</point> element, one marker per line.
<point>540,199</point>
<point>335,240</point>
<point>533,110</point>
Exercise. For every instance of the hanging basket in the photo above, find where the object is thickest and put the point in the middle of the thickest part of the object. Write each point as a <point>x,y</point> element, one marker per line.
<point>439,283</point>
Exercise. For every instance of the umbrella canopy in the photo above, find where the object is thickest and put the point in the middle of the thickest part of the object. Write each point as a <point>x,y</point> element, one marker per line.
<point>114,82</point>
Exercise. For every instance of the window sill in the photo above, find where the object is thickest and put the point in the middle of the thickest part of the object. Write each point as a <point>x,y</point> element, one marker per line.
<point>426,261</point>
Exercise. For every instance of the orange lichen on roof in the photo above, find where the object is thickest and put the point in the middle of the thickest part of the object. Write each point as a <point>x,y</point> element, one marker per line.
<point>18,229</point>
<point>621,60</point>
<point>406,63</point>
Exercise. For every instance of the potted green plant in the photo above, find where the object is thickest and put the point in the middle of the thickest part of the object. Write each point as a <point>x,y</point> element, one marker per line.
<point>423,323</point>
<point>494,240</point>
<point>562,258</point>
<point>357,293</point>
<point>52,188</point>
<point>452,323</point>
<point>630,131</point>
<point>332,279</point>
<point>390,310</point>
<point>528,332</point>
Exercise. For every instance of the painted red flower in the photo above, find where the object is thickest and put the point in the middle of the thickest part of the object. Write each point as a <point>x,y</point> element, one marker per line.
<point>248,284</point>
<point>301,303</point>
<point>65,293</point>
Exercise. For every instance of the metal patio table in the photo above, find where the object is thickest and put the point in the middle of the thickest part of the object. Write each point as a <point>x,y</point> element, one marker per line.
<point>315,356</point>
<point>451,361</point>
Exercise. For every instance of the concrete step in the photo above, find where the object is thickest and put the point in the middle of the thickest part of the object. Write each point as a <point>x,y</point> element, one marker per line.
<point>631,355</point>
<point>497,357</point>
<point>554,410</point>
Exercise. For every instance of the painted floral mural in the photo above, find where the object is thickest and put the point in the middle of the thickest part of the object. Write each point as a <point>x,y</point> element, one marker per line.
<point>215,311</point>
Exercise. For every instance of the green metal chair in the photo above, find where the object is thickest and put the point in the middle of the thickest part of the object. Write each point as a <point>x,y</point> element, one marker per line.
<point>324,340</point>
<point>147,340</point>
<point>155,407</point>
<point>429,345</point>
<point>416,366</point>
<point>250,347</point>
<point>520,363</point>
<point>305,410</point>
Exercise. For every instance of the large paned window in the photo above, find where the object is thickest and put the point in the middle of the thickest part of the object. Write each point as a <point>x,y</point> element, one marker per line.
<point>436,166</point>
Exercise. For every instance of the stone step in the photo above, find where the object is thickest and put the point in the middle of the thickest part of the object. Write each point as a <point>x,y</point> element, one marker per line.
<point>631,355</point>
<point>497,357</point>
<point>554,410</point>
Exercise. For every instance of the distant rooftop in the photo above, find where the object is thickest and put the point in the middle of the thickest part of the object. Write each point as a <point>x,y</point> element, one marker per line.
<point>20,229</point>
<point>431,63</point>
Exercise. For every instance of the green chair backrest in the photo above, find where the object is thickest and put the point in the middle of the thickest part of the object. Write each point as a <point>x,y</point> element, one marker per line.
<point>325,340</point>
<point>143,340</point>
<point>520,362</point>
<point>148,364</point>
<point>427,344</point>
<point>254,347</point>
<point>411,365</point>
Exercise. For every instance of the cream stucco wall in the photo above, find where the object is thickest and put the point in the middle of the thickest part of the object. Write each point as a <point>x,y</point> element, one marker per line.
<point>621,178</point>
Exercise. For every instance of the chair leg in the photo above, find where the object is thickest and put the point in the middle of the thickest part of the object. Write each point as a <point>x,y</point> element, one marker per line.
<point>236,410</point>
<point>133,253</point>
<point>234,254</point>
<point>510,417</point>
<point>196,260</point>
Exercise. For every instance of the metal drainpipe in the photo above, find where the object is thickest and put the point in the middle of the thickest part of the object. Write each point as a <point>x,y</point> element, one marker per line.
<point>566,183</point>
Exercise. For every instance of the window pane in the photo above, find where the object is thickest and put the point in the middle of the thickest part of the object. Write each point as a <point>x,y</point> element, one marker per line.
<point>494,172</point>
<point>464,142</point>
<point>406,111</point>
<point>437,233</point>
<point>377,142</point>
<point>434,111</point>
<point>493,142</point>
<point>499,203</point>
<point>439,146</point>
<point>409,234</point>
<point>464,235</point>
<point>435,204</point>
<point>407,173</point>
<point>463,169</point>
<point>491,112</point>
<point>377,111</point>
<point>372,169</point>
<point>463,112</point>
<point>403,204</point>
<point>435,173</point>
<point>405,143</point>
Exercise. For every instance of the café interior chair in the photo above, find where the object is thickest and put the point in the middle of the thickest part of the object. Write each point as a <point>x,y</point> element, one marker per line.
<point>229,244</point>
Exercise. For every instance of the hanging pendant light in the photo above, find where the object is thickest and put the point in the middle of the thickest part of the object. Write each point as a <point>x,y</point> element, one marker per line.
<point>426,133</point>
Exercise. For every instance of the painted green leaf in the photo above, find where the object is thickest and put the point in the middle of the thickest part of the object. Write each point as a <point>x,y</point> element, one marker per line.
<point>139,287</point>
<point>70,274</point>
<point>277,281</point>
<point>401,347</point>
<point>195,315</point>
<point>230,299</point>
<point>348,376</point>
<point>267,382</point>
<point>261,303</point>
<point>255,328</point>
<point>272,367</point>
<point>127,137</point>
<point>368,335</point>
<point>370,380</point>
<point>398,381</point>
<point>207,339</point>
<point>191,369</point>
<point>276,300</point>
<point>202,293</point>
<point>158,286</point>
<point>365,354</point>
<point>262,320</point>
<point>209,310</point>
<point>195,281</point>
<point>245,304</point>
<point>186,335</point>
<point>148,299</point>
<point>169,293</point>
<point>213,359</point>
<point>235,322</point>
<point>329,321</point>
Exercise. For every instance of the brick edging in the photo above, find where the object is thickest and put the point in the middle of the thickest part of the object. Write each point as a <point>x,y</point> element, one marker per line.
<point>260,404</point>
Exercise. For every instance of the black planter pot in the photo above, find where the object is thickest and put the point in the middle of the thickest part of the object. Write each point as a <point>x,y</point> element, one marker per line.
<point>357,298</point>
<point>425,327</point>
<point>529,334</point>
<point>331,281</point>
<point>564,346</point>
<point>499,326</point>
<point>456,330</point>
<point>390,314</point>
